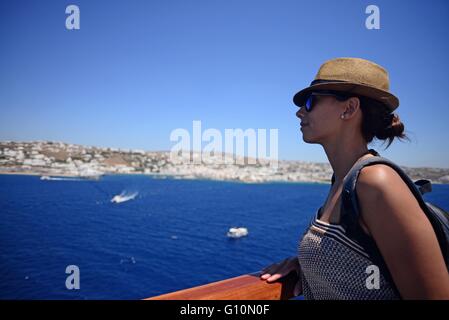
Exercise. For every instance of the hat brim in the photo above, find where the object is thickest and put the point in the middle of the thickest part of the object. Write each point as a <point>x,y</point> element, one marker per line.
<point>384,97</point>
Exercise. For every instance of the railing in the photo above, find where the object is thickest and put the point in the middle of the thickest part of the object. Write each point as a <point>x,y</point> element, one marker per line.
<point>245,287</point>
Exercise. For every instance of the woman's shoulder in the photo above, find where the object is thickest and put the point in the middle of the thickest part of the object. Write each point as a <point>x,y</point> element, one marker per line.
<point>379,178</point>
<point>383,194</point>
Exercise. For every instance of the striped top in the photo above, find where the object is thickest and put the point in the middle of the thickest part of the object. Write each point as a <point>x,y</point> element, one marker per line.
<point>335,266</point>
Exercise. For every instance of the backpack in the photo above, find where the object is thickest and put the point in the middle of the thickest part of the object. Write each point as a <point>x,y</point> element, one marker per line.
<point>350,211</point>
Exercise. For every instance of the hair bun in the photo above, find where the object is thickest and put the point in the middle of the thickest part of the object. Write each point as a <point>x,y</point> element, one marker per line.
<point>378,122</point>
<point>392,127</point>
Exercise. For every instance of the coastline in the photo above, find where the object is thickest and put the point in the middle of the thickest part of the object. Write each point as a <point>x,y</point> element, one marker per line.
<point>178,177</point>
<point>58,159</point>
<point>165,176</point>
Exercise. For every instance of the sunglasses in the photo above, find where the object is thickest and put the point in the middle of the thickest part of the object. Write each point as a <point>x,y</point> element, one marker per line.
<point>311,99</point>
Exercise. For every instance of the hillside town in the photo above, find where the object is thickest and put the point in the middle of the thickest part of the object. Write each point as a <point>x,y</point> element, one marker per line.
<point>47,158</point>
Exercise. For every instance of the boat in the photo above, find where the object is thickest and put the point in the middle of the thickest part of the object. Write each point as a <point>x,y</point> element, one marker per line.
<point>123,197</point>
<point>237,232</point>
<point>244,287</point>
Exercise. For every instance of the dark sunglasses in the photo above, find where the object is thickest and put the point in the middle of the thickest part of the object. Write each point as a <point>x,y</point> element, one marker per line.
<point>311,99</point>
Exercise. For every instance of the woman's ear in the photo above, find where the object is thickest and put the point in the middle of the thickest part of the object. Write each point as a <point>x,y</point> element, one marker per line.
<point>351,108</point>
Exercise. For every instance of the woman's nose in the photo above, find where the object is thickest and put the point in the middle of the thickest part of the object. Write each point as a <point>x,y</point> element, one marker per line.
<point>300,113</point>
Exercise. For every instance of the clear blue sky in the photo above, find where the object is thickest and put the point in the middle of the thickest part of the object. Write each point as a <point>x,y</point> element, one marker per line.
<point>136,70</point>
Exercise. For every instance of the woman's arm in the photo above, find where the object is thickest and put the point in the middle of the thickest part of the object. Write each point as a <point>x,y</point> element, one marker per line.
<point>403,234</point>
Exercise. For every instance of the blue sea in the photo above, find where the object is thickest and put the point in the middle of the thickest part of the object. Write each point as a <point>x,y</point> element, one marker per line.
<point>171,236</point>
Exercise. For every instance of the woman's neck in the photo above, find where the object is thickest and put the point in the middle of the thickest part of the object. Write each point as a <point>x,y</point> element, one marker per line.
<point>343,154</point>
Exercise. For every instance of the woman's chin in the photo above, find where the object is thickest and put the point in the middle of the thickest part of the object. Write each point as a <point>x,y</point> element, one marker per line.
<point>305,139</point>
<point>306,135</point>
<point>308,139</point>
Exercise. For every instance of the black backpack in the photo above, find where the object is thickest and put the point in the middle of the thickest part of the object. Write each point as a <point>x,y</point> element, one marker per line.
<point>438,217</point>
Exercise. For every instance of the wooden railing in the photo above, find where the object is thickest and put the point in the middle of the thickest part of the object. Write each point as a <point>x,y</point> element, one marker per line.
<point>245,287</point>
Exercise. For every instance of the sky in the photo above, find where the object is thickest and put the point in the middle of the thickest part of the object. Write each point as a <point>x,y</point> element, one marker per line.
<point>137,70</point>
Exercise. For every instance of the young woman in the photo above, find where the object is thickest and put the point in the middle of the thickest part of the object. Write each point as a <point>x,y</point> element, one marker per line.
<point>345,108</point>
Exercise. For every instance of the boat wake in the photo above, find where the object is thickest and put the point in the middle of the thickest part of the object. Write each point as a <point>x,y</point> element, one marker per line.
<point>123,197</point>
<point>59,178</point>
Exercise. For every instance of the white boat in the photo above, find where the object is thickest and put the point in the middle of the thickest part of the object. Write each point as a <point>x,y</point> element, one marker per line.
<point>64,178</point>
<point>123,197</point>
<point>237,232</point>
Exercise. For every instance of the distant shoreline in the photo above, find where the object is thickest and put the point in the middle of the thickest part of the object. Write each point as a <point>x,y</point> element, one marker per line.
<point>168,176</point>
<point>47,158</point>
<point>175,177</point>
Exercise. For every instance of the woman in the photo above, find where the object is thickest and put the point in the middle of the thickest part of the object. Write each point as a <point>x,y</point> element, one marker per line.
<point>345,108</point>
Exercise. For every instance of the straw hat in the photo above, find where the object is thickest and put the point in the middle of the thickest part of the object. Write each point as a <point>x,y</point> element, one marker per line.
<point>354,76</point>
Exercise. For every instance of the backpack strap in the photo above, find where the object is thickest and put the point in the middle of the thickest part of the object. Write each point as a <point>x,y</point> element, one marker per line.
<point>350,204</point>
<point>350,210</point>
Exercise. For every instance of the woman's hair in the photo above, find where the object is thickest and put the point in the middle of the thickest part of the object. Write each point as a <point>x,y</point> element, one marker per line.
<point>378,122</point>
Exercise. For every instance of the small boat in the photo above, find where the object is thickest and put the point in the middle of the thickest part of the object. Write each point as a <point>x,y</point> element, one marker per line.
<point>123,197</point>
<point>65,178</point>
<point>237,232</point>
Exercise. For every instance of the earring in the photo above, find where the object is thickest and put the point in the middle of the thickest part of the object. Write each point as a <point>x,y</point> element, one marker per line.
<point>342,116</point>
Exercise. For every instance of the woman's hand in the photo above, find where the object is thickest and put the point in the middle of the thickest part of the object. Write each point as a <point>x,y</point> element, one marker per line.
<point>281,269</point>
